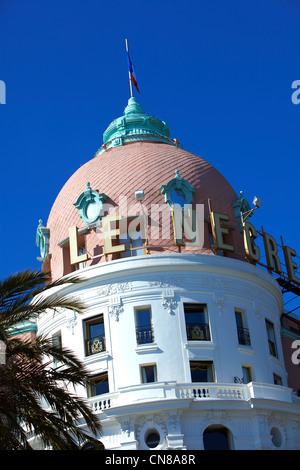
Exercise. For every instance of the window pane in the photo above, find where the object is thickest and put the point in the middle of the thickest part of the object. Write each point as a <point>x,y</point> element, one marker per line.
<point>270,330</point>
<point>153,439</point>
<point>201,372</point>
<point>277,379</point>
<point>242,332</point>
<point>197,328</point>
<point>95,336</point>
<point>92,211</point>
<point>100,385</point>
<point>271,338</point>
<point>239,319</point>
<point>178,197</point>
<point>216,439</point>
<point>246,375</point>
<point>144,330</point>
<point>143,317</point>
<point>96,329</point>
<point>81,251</point>
<point>56,340</point>
<point>132,240</point>
<point>135,244</point>
<point>125,240</point>
<point>149,374</point>
<point>195,313</point>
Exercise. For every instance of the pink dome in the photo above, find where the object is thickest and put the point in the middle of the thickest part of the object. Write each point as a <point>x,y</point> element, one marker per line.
<point>122,171</point>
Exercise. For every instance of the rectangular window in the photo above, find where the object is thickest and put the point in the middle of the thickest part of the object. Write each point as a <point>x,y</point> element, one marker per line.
<point>81,251</point>
<point>132,247</point>
<point>242,332</point>
<point>133,238</point>
<point>94,336</point>
<point>201,371</point>
<point>277,379</point>
<point>57,342</point>
<point>271,338</point>
<point>247,375</point>
<point>144,328</point>
<point>149,373</point>
<point>99,385</point>
<point>196,320</point>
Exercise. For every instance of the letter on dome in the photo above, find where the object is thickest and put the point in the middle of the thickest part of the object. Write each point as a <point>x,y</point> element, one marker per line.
<point>109,234</point>
<point>290,264</point>
<point>219,231</point>
<point>251,249</point>
<point>271,250</point>
<point>73,239</point>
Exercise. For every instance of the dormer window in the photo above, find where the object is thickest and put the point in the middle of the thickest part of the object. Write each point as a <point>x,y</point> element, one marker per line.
<point>178,191</point>
<point>92,211</point>
<point>90,206</point>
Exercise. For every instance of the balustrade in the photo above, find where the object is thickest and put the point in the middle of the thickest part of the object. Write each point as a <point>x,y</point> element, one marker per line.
<point>192,391</point>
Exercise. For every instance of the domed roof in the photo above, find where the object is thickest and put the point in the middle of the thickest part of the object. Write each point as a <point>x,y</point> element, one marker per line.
<point>135,125</point>
<point>138,165</point>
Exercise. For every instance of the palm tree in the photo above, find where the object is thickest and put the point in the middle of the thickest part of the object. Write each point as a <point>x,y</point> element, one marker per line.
<point>33,394</point>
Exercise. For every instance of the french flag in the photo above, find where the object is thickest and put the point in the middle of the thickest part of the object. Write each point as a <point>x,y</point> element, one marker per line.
<point>131,71</point>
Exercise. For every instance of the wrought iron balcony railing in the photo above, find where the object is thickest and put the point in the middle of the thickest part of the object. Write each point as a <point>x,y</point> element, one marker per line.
<point>144,334</point>
<point>95,345</point>
<point>244,336</point>
<point>197,332</point>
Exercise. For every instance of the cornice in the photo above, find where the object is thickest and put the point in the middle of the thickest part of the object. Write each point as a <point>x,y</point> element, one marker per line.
<point>115,271</point>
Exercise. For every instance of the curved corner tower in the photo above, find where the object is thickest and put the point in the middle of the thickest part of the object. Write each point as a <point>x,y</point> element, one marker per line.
<point>181,332</point>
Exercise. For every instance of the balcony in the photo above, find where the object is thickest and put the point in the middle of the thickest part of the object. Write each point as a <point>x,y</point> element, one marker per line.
<point>144,334</point>
<point>196,392</point>
<point>243,336</point>
<point>197,331</point>
<point>95,345</point>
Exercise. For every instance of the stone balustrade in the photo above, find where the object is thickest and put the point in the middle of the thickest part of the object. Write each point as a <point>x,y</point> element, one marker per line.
<point>192,391</point>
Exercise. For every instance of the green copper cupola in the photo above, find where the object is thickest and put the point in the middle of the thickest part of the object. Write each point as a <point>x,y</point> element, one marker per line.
<point>135,126</point>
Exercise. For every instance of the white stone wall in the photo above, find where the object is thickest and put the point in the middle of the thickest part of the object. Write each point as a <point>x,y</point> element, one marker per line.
<point>165,283</point>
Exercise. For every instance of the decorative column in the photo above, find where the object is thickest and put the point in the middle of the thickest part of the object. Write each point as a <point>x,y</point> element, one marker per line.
<point>128,441</point>
<point>174,436</point>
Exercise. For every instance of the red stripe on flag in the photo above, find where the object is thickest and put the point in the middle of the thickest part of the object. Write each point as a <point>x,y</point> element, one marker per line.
<point>134,82</point>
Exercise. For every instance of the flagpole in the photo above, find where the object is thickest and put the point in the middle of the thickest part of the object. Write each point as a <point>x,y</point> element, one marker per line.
<point>130,82</point>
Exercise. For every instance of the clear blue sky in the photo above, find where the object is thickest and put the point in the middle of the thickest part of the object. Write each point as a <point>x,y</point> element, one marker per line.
<point>218,72</point>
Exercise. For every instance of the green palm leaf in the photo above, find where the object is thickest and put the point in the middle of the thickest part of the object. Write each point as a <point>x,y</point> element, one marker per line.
<point>34,397</point>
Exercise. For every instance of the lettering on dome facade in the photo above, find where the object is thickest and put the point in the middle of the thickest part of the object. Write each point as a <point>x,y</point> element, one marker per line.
<point>190,223</point>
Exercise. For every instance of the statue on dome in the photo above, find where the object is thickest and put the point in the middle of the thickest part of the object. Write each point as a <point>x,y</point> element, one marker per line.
<point>42,240</point>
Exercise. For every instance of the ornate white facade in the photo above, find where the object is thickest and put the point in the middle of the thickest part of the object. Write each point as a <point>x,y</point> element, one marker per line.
<point>183,348</point>
<point>173,409</point>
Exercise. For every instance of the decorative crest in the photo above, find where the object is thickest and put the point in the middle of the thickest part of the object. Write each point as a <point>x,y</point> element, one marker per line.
<point>90,205</point>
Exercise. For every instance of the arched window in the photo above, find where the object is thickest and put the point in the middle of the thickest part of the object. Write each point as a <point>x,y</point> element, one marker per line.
<point>178,197</point>
<point>178,191</point>
<point>217,437</point>
<point>276,437</point>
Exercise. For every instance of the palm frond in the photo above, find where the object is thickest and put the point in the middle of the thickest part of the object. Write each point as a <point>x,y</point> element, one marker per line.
<point>34,395</point>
